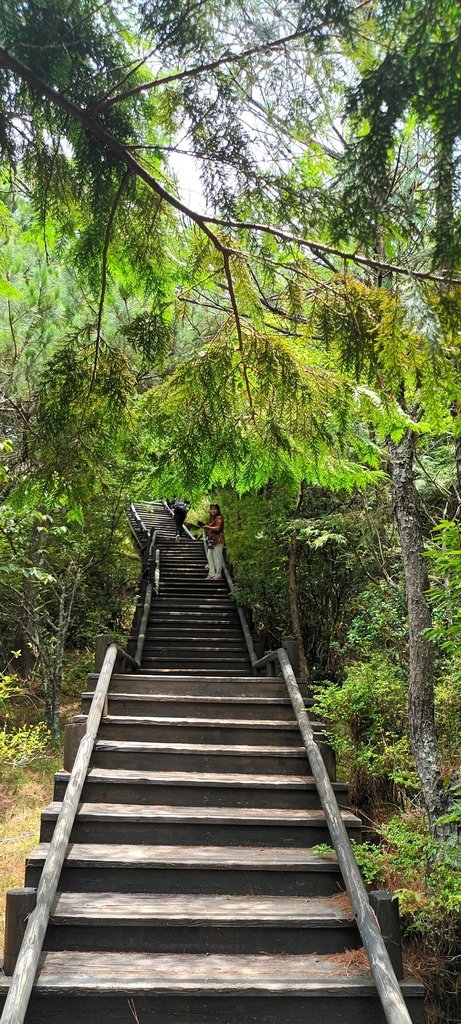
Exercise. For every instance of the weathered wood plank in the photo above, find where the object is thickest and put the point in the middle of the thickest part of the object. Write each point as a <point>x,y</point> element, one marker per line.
<point>125,855</point>
<point>120,972</point>
<point>133,908</point>
<point>139,812</point>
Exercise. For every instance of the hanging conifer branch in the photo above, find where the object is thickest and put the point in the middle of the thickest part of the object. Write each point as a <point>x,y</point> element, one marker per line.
<point>230,285</point>
<point>200,69</point>
<point>105,252</point>
<point>7,60</point>
<point>320,247</point>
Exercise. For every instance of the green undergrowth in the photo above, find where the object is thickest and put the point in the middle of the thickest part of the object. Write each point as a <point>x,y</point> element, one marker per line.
<point>366,723</point>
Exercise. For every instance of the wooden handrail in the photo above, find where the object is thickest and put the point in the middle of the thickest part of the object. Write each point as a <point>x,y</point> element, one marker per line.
<point>143,627</point>
<point>392,1001</point>
<point>151,586</point>
<point>242,617</point>
<point>22,980</point>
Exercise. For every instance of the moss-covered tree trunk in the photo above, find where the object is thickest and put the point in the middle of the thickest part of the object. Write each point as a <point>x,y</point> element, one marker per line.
<point>410,517</point>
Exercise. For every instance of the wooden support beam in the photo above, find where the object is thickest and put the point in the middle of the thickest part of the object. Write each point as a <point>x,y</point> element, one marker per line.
<point>74,732</point>
<point>102,642</point>
<point>292,649</point>
<point>386,908</point>
<point>19,904</point>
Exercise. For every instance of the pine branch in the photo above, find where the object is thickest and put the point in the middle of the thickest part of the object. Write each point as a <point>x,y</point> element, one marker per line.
<point>105,252</point>
<point>317,248</point>
<point>200,69</point>
<point>83,117</point>
<point>230,285</point>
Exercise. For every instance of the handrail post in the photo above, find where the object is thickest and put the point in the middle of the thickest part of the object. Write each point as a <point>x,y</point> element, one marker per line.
<point>19,904</point>
<point>101,645</point>
<point>292,649</point>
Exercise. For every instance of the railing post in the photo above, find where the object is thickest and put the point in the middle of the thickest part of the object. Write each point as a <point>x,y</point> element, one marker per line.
<point>328,758</point>
<point>19,904</point>
<point>102,643</point>
<point>292,649</point>
<point>74,733</point>
<point>386,908</point>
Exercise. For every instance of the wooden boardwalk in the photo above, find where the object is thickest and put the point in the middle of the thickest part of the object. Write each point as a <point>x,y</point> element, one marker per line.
<point>191,892</point>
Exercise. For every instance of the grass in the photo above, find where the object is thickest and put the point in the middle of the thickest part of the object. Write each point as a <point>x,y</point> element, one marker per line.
<point>23,795</point>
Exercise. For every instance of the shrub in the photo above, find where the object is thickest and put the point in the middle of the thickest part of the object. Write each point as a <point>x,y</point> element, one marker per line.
<point>18,745</point>
<point>366,724</point>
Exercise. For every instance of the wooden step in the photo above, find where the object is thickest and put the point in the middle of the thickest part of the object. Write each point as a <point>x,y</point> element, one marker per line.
<point>163,631</point>
<point>231,870</point>
<point>211,707</point>
<point>175,987</point>
<point>193,610</point>
<point>198,648</point>
<point>209,660</point>
<point>166,923</point>
<point>208,685</point>
<point>200,757</point>
<point>144,728</point>
<point>227,826</point>
<point>187,670</point>
<point>220,626</point>
<point>198,789</point>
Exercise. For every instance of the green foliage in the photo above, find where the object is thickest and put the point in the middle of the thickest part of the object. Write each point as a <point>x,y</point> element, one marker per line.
<point>444,556</point>
<point>366,723</point>
<point>379,622</point>
<point>448,711</point>
<point>19,745</point>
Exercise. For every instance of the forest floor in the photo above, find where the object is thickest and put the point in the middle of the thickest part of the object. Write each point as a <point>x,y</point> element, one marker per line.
<point>22,798</point>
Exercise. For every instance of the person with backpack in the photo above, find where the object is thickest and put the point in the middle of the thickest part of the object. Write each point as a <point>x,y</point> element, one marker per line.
<point>214,530</point>
<point>180,509</point>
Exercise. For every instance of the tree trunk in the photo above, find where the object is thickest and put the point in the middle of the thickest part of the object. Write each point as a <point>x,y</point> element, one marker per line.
<point>295,616</point>
<point>409,516</point>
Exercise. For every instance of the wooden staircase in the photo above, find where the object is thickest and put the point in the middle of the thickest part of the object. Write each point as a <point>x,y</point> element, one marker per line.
<point>191,893</point>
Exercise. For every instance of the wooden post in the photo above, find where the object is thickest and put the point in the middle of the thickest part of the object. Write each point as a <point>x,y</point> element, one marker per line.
<point>292,649</point>
<point>19,904</point>
<point>102,642</point>
<point>386,908</point>
<point>329,759</point>
<point>72,736</point>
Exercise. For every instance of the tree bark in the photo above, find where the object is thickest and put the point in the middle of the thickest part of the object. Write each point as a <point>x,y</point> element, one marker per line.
<point>410,517</point>
<point>295,615</point>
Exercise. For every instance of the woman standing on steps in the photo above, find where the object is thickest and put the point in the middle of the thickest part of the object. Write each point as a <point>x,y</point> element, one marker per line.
<point>214,530</point>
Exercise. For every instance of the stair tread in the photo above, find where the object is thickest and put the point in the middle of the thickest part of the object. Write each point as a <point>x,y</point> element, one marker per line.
<point>210,779</point>
<point>185,972</point>
<point>124,855</point>
<point>133,908</point>
<point>164,698</point>
<point>201,748</point>
<point>177,813</point>
<point>203,723</point>
<point>211,678</point>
